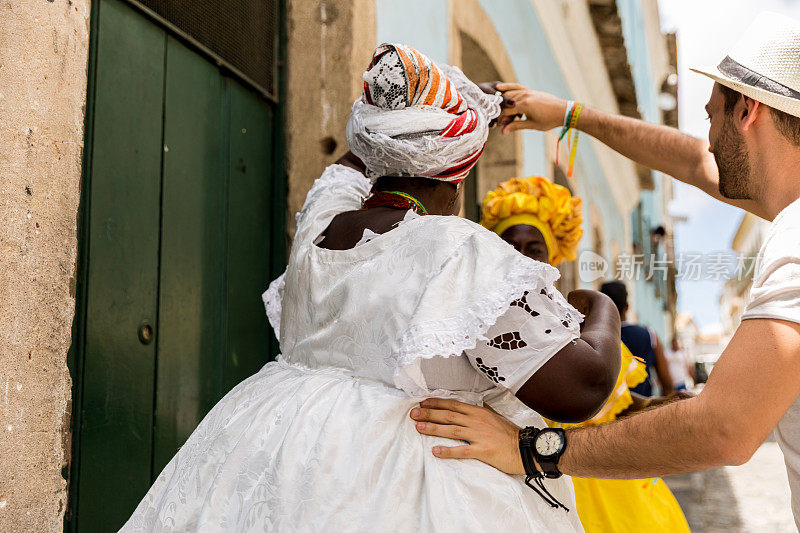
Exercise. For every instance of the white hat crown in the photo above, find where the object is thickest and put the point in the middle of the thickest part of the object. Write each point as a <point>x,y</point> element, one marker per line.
<point>771,48</point>
<point>765,63</point>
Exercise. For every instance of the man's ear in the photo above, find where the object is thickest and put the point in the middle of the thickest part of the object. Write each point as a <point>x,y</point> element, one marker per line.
<point>749,112</point>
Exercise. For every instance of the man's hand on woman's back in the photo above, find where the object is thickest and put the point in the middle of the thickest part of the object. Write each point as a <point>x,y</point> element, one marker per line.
<point>490,437</point>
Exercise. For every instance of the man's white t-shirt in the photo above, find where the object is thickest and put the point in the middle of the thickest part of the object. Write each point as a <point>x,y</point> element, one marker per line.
<point>776,294</point>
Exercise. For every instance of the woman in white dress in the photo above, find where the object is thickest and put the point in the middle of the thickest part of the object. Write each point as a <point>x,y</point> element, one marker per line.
<point>387,300</point>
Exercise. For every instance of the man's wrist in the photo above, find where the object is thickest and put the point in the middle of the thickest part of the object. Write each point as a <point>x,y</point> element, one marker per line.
<point>525,443</point>
<point>533,466</point>
<point>586,120</point>
<point>519,467</point>
<point>567,107</point>
<point>567,462</point>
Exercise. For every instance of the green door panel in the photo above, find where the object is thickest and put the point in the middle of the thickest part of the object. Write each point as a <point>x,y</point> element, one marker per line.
<point>191,320</point>
<point>183,227</point>
<point>122,278</point>
<point>249,243</point>
<point>215,235</point>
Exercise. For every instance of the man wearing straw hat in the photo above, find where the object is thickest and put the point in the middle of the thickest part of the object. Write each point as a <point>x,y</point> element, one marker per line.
<point>752,160</point>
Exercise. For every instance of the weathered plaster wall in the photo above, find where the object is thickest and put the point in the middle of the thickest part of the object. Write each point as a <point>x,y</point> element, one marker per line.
<point>478,49</point>
<point>43,53</point>
<point>330,43</point>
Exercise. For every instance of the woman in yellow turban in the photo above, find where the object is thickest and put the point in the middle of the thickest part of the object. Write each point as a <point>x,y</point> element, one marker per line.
<point>542,220</point>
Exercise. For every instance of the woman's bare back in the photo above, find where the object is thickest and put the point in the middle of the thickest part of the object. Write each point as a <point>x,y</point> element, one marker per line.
<point>346,229</point>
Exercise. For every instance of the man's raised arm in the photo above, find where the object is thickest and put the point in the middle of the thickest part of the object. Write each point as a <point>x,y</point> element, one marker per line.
<point>655,146</point>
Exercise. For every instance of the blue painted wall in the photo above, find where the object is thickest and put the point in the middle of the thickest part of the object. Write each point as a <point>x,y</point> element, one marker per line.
<point>520,29</point>
<point>649,308</point>
<point>418,23</point>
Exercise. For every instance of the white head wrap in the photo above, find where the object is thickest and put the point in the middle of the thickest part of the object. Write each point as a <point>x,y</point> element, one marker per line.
<point>418,118</point>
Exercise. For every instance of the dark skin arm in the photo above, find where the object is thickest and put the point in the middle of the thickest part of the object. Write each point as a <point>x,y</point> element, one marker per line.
<point>575,383</point>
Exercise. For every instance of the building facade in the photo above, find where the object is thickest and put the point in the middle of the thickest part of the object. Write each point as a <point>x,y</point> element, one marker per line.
<point>746,243</point>
<point>152,165</point>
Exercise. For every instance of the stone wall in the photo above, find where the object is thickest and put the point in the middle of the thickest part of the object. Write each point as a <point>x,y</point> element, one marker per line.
<point>330,43</point>
<point>43,53</point>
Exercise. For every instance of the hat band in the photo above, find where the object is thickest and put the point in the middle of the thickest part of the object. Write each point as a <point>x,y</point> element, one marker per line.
<point>742,74</point>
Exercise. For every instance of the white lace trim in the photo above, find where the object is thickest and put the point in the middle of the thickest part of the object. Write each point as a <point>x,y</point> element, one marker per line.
<point>452,336</point>
<point>273,303</point>
<point>488,103</point>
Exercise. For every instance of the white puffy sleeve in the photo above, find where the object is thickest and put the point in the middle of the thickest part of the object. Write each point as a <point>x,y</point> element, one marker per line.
<point>490,302</point>
<point>340,188</point>
<point>273,303</point>
<point>533,329</point>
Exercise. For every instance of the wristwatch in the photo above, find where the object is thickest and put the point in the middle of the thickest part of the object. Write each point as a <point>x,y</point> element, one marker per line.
<point>548,447</point>
<point>546,451</point>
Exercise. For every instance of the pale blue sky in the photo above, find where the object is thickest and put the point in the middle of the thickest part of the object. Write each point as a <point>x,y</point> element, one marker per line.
<point>706,31</point>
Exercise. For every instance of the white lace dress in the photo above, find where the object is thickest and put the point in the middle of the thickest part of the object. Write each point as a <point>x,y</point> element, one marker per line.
<point>321,440</point>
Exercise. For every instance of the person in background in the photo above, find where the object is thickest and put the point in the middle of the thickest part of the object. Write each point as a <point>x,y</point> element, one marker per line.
<point>642,342</point>
<point>678,366</point>
<point>542,220</point>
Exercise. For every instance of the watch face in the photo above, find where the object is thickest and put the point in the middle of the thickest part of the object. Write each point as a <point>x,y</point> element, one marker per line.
<point>548,443</point>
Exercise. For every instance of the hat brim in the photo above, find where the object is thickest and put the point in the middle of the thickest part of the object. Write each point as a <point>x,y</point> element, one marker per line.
<point>786,104</point>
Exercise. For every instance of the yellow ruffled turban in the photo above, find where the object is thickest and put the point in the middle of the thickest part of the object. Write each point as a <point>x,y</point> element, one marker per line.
<point>539,203</point>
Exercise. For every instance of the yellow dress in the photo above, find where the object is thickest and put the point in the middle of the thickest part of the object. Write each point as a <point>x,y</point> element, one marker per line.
<point>612,505</point>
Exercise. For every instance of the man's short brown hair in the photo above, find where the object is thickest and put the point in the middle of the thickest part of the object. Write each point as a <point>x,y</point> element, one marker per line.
<point>788,125</point>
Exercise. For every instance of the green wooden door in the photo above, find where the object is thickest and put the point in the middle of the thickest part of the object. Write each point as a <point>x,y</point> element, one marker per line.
<point>179,238</point>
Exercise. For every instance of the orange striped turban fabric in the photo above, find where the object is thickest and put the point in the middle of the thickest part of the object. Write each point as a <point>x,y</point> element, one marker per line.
<point>418,118</point>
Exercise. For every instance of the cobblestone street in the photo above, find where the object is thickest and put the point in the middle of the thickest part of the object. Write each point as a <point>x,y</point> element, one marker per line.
<point>749,498</point>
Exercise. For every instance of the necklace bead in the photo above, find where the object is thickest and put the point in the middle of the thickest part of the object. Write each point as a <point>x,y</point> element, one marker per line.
<point>394,199</point>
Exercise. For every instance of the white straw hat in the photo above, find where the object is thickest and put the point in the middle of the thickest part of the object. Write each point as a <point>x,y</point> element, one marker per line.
<point>765,63</point>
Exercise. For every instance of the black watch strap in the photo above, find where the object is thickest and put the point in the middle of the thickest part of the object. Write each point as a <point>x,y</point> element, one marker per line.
<point>549,469</point>
<point>527,436</point>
